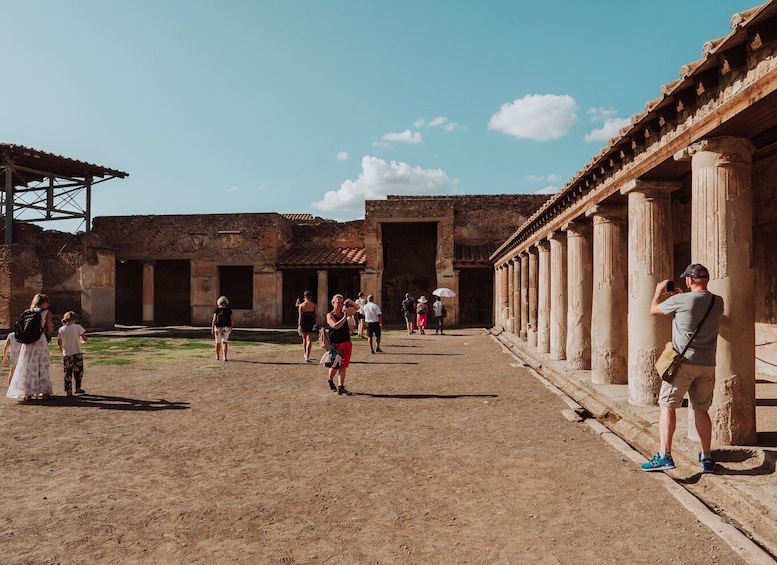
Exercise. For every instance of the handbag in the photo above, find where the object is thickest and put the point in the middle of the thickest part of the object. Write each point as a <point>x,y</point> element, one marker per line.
<point>323,337</point>
<point>668,363</point>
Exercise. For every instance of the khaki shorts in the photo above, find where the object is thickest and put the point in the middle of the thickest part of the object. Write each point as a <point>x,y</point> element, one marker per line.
<point>222,335</point>
<point>696,380</point>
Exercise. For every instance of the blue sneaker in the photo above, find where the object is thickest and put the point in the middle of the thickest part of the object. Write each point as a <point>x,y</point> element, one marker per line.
<point>707,464</point>
<point>659,463</point>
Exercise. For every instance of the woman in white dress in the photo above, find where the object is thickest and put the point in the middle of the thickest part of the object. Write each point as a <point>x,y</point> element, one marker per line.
<point>32,377</point>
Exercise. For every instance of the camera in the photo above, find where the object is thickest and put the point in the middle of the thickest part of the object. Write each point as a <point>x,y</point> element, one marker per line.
<point>670,286</point>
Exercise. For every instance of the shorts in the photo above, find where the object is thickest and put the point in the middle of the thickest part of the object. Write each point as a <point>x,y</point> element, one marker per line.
<point>373,329</point>
<point>222,334</point>
<point>696,380</point>
<point>409,317</point>
<point>344,349</point>
<point>358,316</point>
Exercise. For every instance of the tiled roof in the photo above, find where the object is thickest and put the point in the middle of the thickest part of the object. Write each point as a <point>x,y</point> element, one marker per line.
<point>298,217</point>
<point>473,253</point>
<point>324,256</point>
<point>51,163</point>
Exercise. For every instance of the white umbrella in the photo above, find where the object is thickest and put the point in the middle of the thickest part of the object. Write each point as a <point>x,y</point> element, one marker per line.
<point>443,292</point>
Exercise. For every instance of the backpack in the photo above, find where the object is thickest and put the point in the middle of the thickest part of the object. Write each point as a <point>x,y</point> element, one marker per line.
<point>28,327</point>
<point>407,305</point>
<point>222,318</point>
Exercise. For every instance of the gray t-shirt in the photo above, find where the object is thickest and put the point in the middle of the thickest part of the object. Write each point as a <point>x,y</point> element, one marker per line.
<point>688,309</point>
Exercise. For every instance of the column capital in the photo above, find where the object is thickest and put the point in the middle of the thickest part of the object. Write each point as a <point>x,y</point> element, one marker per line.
<point>558,235</point>
<point>651,187</point>
<point>543,246</point>
<point>731,150</point>
<point>576,228</point>
<point>609,213</point>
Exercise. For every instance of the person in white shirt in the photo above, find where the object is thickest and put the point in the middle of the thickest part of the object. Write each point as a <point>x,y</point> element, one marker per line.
<point>373,316</point>
<point>69,339</point>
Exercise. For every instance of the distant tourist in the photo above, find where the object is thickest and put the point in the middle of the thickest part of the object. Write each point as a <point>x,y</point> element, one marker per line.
<point>439,314</point>
<point>340,336</point>
<point>373,316</point>
<point>32,377</point>
<point>69,339</point>
<point>359,316</point>
<point>221,325</point>
<point>408,310</point>
<point>306,322</point>
<point>421,314</point>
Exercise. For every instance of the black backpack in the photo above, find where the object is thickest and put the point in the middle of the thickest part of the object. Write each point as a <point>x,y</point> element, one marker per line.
<point>28,327</point>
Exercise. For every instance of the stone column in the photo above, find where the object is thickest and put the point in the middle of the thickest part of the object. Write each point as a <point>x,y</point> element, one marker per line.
<point>503,301</point>
<point>580,279</point>
<point>543,298</point>
<point>650,262</point>
<point>721,239</point>
<point>524,295</point>
<point>558,295</point>
<point>510,295</point>
<point>148,293</point>
<point>322,303</point>
<point>532,325</point>
<point>495,301</point>
<point>609,327</point>
<point>516,296</point>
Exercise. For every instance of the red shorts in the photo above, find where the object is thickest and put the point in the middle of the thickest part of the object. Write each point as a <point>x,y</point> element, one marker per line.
<point>344,349</point>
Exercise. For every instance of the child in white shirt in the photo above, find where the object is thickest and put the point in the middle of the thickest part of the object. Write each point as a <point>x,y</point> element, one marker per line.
<point>69,339</point>
<point>14,348</point>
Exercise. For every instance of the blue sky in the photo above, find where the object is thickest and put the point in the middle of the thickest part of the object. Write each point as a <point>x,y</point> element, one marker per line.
<point>303,106</point>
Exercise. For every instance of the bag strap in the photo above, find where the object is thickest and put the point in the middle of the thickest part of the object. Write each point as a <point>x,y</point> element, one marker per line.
<point>707,313</point>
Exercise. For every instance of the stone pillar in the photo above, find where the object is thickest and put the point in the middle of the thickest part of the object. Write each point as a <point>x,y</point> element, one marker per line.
<point>322,303</point>
<point>650,262</point>
<point>532,325</point>
<point>510,295</point>
<point>558,295</point>
<point>543,298</point>
<point>516,296</point>
<point>503,294</point>
<point>721,239</point>
<point>524,295</point>
<point>609,327</point>
<point>579,294</point>
<point>495,301</point>
<point>148,293</point>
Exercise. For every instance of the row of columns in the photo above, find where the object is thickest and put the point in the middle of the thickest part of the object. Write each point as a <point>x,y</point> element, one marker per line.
<point>582,294</point>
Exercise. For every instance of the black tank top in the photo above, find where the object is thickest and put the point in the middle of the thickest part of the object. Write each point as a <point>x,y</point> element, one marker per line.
<point>341,334</point>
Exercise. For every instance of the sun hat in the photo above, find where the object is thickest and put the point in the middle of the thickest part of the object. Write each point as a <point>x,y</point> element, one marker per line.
<point>423,300</point>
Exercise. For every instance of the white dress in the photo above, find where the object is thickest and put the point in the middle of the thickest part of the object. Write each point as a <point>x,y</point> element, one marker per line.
<point>33,370</point>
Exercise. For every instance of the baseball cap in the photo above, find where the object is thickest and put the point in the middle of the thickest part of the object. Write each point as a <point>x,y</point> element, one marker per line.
<point>696,271</point>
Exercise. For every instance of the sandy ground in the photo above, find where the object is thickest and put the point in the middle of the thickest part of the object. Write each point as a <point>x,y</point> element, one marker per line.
<point>446,454</point>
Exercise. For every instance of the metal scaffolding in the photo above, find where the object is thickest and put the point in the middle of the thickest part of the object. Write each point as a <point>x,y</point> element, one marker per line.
<point>43,187</point>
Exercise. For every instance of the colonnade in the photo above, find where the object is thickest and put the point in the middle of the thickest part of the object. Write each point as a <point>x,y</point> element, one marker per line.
<point>581,292</point>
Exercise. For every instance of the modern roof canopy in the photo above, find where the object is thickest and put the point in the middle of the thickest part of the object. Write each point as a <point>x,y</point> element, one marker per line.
<point>42,187</point>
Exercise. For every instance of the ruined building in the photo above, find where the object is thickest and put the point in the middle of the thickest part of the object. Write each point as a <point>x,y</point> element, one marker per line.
<point>693,178</point>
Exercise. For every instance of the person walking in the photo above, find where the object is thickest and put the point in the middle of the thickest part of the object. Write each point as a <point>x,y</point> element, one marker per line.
<point>11,351</point>
<point>421,313</point>
<point>221,325</point>
<point>373,316</point>
<point>359,316</point>
<point>69,339</point>
<point>439,314</point>
<point>340,337</point>
<point>696,374</point>
<point>32,377</point>
<point>408,309</point>
<point>306,322</point>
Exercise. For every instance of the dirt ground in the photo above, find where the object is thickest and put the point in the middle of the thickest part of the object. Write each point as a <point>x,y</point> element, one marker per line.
<point>445,454</point>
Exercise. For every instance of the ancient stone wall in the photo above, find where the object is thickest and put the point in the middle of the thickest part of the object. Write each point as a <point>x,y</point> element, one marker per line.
<point>321,231</point>
<point>490,219</point>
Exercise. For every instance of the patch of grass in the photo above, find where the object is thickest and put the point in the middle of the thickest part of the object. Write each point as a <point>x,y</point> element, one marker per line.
<point>115,361</point>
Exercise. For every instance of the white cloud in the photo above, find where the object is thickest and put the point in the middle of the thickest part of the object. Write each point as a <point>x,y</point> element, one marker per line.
<point>609,130</point>
<point>343,156</point>
<point>450,126</point>
<point>419,123</point>
<point>379,178</point>
<point>611,124</point>
<point>540,117</point>
<point>548,190</point>
<point>540,178</point>
<point>438,121</point>
<point>406,136</point>
<point>382,144</point>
